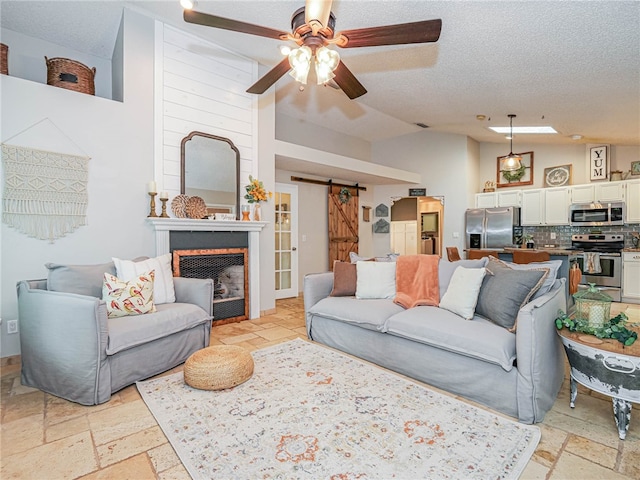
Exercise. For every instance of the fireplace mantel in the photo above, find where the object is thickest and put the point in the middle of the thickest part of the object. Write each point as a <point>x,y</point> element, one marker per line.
<point>163,226</point>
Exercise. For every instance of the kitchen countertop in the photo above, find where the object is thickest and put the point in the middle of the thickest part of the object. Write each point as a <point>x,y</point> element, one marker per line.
<point>631,249</point>
<point>549,250</point>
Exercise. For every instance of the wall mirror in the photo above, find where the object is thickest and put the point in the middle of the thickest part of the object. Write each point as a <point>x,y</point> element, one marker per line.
<point>210,168</point>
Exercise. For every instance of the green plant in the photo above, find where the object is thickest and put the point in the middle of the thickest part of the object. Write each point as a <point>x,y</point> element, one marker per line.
<point>515,175</point>
<point>615,328</point>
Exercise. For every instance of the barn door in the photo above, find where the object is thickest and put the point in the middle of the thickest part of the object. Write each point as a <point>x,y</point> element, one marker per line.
<point>343,223</point>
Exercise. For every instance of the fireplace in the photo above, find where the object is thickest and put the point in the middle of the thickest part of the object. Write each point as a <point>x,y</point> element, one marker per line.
<point>228,267</point>
<point>190,234</point>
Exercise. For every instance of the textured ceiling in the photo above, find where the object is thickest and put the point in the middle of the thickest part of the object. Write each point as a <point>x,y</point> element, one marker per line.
<point>574,65</point>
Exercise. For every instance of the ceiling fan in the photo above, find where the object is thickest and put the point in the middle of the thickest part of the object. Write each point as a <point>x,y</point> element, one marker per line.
<point>313,31</point>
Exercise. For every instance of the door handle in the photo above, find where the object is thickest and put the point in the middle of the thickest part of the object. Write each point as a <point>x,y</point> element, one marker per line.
<point>293,249</point>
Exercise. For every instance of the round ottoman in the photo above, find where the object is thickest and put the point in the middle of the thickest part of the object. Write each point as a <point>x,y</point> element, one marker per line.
<point>218,367</point>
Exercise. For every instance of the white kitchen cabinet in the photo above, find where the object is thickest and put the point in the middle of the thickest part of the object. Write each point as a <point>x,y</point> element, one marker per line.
<point>486,200</point>
<point>631,277</point>
<point>556,206</point>
<point>511,198</point>
<point>598,192</point>
<point>532,212</point>
<point>404,237</point>
<point>633,201</point>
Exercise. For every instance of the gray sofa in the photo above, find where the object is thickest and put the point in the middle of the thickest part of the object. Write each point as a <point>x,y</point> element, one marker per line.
<point>71,349</point>
<point>518,373</point>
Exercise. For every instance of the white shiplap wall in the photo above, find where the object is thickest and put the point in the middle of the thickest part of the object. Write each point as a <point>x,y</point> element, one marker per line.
<point>201,87</point>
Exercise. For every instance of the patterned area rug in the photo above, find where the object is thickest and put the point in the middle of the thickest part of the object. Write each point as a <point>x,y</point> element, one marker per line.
<point>312,412</point>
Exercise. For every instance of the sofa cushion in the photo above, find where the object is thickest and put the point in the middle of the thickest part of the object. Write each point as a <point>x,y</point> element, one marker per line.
<point>344,279</point>
<point>443,329</point>
<point>370,314</point>
<point>446,269</point>
<point>79,279</point>
<point>375,280</point>
<point>163,289</point>
<point>504,291</point>
<point>552,265</point>
<point>168,319</point>
<point>462,294</point>
<point>134,297</point>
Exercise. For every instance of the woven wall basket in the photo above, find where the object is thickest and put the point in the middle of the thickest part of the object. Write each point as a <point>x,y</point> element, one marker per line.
<point>4,59</point>
<point>69,74</point>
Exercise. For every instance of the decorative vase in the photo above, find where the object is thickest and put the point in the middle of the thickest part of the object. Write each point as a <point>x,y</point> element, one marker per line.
<point>246,211</point>
<point>256,212</point>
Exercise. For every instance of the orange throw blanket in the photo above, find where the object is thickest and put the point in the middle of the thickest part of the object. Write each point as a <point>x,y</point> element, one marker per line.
<point>417,280</point>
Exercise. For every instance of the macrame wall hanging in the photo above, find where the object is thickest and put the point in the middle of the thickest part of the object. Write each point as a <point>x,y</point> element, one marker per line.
<point>45,193</point>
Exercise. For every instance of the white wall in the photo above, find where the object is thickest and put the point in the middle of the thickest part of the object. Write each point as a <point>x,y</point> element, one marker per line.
<point>448,165</point>
<point>118,136</point>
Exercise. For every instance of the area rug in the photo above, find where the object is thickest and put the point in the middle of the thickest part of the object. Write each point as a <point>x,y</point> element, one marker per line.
<point>311,412</point>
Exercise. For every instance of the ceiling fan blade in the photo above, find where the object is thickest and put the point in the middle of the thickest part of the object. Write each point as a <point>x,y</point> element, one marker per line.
<point>317,10</point>
<point>207,20</point>
<point>348,82</point>
<point>270,77</point>
<point>416,32</point>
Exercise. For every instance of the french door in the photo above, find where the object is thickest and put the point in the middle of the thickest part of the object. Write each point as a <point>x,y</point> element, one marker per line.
<point>286,231</point>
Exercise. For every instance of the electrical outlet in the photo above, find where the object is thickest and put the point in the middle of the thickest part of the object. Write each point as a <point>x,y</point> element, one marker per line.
<point>456,235</point>
<point>12,326</point>
<point>553,235</point>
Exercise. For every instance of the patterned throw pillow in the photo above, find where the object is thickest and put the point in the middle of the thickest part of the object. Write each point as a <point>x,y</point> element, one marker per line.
<point>134,297</point>
<point>163,289</point>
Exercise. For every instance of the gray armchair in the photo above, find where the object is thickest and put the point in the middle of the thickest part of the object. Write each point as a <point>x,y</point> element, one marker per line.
<point>69,347</point>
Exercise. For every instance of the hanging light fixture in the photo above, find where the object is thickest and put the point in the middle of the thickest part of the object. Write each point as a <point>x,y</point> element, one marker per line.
<point>300,61</point>
<point>512,161</point>
<point>326,62</point>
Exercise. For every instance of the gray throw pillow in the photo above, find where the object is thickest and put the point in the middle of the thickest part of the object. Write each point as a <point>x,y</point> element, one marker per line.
<point>504,291</point>
<point>80,279</point>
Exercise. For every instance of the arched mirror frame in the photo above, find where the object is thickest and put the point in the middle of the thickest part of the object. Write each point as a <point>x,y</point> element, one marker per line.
<point>214,137</point>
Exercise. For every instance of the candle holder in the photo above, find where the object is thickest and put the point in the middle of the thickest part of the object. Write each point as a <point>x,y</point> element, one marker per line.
<point>152,212</point>
<point>164,208</point>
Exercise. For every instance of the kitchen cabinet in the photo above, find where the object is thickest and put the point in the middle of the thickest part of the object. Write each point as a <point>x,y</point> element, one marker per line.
<point>633,201</point>
<point>404,237</point>
<point>631,277</point>
<point>486,200</point>
<point>598,192</point>
<point>511,198</point>
<point>556,206</point>
<point>532,212</point>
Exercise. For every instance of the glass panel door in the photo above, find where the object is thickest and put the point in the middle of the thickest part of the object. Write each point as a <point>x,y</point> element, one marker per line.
<point>286,232</point>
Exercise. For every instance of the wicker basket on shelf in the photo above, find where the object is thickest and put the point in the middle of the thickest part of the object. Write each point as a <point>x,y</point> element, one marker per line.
<point>69,74</point>
<point>4,59</point>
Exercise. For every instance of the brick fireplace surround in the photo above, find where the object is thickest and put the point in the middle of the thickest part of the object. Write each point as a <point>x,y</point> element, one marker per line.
<point>164,226</point>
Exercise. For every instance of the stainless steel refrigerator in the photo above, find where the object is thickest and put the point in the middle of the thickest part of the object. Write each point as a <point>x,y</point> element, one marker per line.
<point>492,227</point>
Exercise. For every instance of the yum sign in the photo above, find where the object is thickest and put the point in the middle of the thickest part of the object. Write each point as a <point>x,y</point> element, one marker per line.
<point>598,167</point>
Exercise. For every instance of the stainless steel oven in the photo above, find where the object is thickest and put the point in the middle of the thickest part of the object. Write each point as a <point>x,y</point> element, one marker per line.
<point>601,262</point>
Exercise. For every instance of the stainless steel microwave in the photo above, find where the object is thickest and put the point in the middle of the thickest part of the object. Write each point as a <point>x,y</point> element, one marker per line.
<point>597,214</point>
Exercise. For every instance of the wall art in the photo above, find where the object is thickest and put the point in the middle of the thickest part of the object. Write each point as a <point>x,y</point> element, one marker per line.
<point>557,176</point>
<point>522,176</point>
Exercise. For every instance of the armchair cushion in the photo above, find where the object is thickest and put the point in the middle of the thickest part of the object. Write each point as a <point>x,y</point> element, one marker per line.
<point>168,319</point>
<point>80,279</point>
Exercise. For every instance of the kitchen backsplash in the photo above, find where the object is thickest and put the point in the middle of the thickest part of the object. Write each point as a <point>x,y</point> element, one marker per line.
<point>542,235</point>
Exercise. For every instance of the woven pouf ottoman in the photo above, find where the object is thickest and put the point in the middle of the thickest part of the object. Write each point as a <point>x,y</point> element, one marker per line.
<point>218,367</point>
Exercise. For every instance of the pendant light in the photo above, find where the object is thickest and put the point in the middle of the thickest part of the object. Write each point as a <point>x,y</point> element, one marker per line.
<point>512,161</point>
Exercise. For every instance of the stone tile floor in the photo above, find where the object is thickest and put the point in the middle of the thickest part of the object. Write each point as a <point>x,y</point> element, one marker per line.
<point>44,437</point>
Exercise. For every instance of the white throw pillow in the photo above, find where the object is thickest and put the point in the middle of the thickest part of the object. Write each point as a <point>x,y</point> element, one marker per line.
<point>376,279</point>
<point>462,294</point>
<point>163,290</point>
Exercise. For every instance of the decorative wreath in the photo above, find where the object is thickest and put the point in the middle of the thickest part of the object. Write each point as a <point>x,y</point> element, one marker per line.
<point>514,176</point>
<point>344,195</point>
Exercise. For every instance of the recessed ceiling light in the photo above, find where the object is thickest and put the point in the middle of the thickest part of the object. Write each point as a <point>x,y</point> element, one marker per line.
<point>188,4</point>
<point>576,137</point>
<point>523,130</point>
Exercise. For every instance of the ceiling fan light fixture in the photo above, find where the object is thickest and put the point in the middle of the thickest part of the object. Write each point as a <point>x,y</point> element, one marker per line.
<point>512,162</point>
<point>300,61</point>
<point>323,73</point>
<point>326,62</point>
<point>188,4</point>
